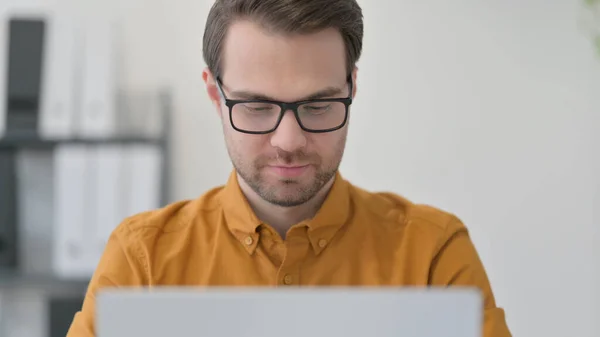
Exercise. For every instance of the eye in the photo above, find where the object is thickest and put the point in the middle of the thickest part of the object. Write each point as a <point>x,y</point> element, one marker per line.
<point>259,107</point>
<point>317,107</point>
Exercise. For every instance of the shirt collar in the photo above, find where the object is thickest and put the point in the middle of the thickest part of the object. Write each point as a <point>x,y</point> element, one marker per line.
<point>243,222</point>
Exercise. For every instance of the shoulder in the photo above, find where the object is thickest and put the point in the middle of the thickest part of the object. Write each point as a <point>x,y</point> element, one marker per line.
<point>172,218</point>
<point>397,212</point>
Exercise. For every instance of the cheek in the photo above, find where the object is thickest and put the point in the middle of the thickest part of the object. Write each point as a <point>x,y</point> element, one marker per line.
<point>328,145</point>
<point>246,146</point>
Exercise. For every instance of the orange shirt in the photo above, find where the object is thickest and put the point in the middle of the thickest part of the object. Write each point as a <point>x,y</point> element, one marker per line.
<point>356,238</point>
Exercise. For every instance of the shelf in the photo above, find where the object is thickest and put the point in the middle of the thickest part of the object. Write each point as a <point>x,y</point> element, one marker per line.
<point>12,142</point>
<point>12,280</point>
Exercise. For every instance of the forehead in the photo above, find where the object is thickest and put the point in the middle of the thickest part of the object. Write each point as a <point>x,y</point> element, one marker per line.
<point>283,66</point>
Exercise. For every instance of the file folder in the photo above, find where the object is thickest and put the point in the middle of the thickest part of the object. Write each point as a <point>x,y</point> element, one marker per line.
<point>8,209</point>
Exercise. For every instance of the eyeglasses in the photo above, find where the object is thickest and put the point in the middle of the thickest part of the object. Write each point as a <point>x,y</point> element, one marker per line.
<point>264,116</point>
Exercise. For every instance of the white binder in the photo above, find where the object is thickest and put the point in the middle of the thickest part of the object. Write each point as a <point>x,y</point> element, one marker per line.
<point>144,167</point>
<point>73,211</point>
<point>96,188</point>
<point>109,180</point>
<point>98,106</point>
<point>60,78</point>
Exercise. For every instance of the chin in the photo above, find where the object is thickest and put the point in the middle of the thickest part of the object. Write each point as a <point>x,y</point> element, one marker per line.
<point>288,192</point>
<point>288,199</point>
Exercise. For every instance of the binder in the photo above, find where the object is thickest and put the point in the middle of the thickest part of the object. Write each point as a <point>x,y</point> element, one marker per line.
<point>109,211</point>
<point>98,107</point>
<point>8,209</point>
<point>73,211</point>
<point>21,11</point>
<point>3,67</point>
<point>143,166</point>
<point>95,188</point>
<point>61,313</point>
<point>35,212</point>
<point>60,78</point>
<point>23,87</point>
<point>127,181</point>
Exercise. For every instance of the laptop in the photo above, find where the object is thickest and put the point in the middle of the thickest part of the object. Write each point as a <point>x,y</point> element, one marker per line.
<point>289,312</point>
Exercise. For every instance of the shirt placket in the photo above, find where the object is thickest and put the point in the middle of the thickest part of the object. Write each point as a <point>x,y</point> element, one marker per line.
<point>297,246</point>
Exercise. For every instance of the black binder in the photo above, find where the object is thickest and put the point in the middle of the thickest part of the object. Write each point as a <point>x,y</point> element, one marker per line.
<point>24,82</point>
<point>61,312</point>
<point>8,210</point>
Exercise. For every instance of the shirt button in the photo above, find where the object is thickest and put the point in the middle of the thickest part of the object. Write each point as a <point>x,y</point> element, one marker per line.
<point>322,243</point>
<point>248,241</point>
<point>288,279</point>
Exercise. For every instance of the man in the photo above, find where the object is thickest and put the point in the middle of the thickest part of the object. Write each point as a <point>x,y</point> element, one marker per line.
<point>282,76</point>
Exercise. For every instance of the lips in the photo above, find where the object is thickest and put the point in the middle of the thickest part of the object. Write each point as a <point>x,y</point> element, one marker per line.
<point>288,171</point>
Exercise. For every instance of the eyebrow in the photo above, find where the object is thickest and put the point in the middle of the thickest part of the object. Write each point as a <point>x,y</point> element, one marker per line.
<point>248,95</point>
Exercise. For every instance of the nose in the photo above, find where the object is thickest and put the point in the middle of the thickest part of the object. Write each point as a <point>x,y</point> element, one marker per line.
<point>288,136</point>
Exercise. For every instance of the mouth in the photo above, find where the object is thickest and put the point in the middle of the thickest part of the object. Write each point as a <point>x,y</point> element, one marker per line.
<point>288,171</point>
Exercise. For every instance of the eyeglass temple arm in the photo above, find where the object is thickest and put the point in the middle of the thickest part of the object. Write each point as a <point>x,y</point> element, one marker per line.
<point>220,88</point>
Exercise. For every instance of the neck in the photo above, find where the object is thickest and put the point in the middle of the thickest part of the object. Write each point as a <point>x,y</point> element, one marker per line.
<point>283,218</point>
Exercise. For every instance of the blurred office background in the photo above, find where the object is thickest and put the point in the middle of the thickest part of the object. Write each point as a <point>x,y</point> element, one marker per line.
<point>487,109</point>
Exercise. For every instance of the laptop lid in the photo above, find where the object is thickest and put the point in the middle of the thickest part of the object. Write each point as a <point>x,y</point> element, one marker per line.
<point>287,312</point>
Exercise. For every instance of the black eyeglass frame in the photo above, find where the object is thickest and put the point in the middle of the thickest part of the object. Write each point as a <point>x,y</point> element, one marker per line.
<point>285,106</point>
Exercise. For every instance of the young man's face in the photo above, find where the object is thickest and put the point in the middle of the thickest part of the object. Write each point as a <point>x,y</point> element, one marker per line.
<point>288,166</point>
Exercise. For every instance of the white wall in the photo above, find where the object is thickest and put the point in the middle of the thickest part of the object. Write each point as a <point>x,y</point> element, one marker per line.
<point>488,109</point>
<point>491,109</point>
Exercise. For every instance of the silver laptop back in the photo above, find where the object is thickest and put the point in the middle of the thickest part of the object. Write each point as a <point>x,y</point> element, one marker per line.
<point>287,312</point>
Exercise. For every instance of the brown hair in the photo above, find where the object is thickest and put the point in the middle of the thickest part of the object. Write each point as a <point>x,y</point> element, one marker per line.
<point>284,17</point>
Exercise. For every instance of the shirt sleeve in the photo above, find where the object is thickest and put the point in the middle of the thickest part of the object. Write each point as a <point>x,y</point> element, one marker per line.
<point>457,263</point>
<point>120,265</point>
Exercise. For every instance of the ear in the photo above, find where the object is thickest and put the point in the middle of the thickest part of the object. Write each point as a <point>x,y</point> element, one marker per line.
<point>211,88</point>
